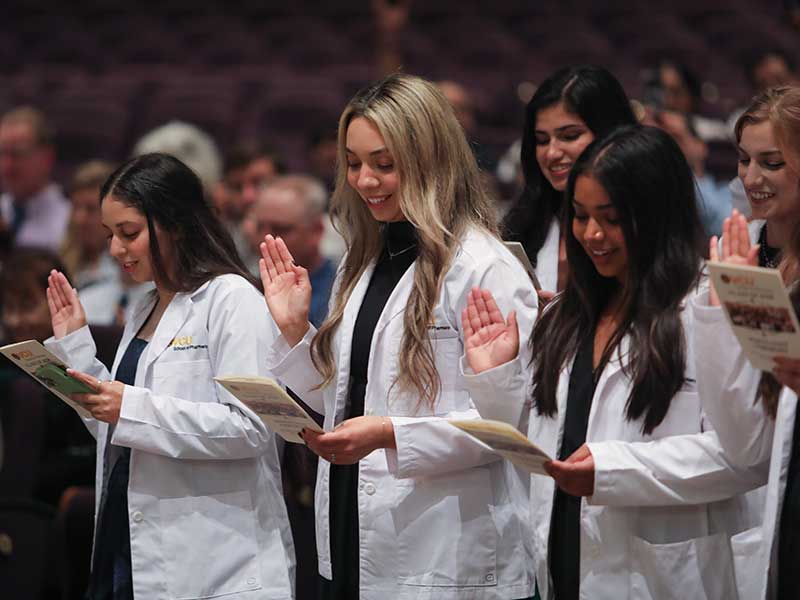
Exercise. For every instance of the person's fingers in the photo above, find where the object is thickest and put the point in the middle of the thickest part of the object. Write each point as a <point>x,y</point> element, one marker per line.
<point>51,305</point>
<point>269,263</point>
<point>466,324</point>
<point>744,236</point>
<point>59,291</point>
<point>495,316</point>
<point>283,252</point>
<point>752,255</point>
<point>275,255</point>
<point>713,249</point>
<point>301,274</point>
<point>483,310</point>
<point>85,378</point>
<point>472,309</point>
<point>726,238</point>
<point>512,324</point>
<point>264,272</point>
<point>734,229</point>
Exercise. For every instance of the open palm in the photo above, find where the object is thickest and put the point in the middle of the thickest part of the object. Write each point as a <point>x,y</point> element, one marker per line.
<point>490,340</point>
<point>66,311</point>
<point>287,289</point>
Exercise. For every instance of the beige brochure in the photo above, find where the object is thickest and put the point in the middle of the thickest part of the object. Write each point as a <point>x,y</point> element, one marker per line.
<point>507,442</point>
<point>519,252</point>
<point>270,401</point>
<point>46,368</point>
<point>759,311</point>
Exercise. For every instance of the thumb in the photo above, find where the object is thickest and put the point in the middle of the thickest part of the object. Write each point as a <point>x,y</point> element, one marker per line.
<point>513,328</point>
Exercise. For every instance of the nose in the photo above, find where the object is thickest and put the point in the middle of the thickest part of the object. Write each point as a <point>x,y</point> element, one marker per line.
<point>593,231</point>
<point>752,174</point>
<point>115,247</point>
<point>367,178</point>
<point>554,150</point>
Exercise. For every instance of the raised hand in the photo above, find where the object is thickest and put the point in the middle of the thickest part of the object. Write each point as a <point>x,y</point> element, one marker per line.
<point>66,311</point>
<point>287,289</point>
<point>735,247</point>
<point>490,340</point>
<point>576,474</point>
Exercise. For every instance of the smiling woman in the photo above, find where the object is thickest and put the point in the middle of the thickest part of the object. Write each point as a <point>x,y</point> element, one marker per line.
<point>173,446</point>
<point>407,506</point>
<point>569,109</point>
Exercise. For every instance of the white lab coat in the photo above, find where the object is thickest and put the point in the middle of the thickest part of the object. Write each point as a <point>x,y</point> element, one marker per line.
<point>729,385</point>
<point>547,258</point>
<point>643,534</point>
<point>441,516</point>
<point>207,516</point>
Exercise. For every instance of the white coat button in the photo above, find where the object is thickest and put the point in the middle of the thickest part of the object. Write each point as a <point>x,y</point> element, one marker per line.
<point>369,488</point>
<point>251,581</point>
<point>368,412</point>
<point>137,516</point>
<point>490,577</point>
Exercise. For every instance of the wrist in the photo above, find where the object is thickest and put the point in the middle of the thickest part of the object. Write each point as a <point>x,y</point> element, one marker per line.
<point>387,433</point>
<point>294,333</point>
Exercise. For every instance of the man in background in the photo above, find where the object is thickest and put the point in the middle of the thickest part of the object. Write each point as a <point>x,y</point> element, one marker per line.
<point>292,207</point>
<point>33,210</point>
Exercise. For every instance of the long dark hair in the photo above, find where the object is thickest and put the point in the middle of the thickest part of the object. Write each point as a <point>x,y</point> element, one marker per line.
<point>593,94</point>
<point>651,187</point>
<point>169,194</point>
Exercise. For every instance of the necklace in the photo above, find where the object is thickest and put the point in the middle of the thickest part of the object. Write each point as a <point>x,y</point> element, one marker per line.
<point>768,256</point>
<point>399,252</point>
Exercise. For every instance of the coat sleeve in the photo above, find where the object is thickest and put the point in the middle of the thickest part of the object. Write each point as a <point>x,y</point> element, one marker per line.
<point>294,368</point>
<point>728,386</point>
<point>219,427</point>
<point>430,445</point>
<point>675,470</point>
<point>78,350</point>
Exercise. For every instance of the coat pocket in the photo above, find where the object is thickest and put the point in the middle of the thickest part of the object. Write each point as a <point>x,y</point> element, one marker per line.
<point>187,380</point>
<point>446,535</point>
<point>747,547</point>
<point>209,544</point>
<point>696,569</point>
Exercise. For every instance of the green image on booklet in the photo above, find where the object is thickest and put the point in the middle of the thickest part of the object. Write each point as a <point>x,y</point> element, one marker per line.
<point>55,376</point>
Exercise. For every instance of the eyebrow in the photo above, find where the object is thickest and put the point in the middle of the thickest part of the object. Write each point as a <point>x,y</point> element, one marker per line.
<point>600,207</point>
<point>763,153</point>
<point>562,128</point>
<point>373,153</point>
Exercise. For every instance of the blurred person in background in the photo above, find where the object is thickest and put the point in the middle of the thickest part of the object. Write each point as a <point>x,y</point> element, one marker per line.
<point>189,144</point>
<point>322,156</point>
<point>96,275</point>
<point>674,86</point>
<point>292,207</point>
<point>714,198</point>
<point>47,447</point>
<point>33,210</point>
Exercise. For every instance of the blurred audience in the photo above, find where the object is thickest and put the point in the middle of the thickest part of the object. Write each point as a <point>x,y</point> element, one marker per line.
<point>47,446</point>
<point>292,207</point>
<point>263,164</point>
<point>322,156</point>
<point>95,274</point>
<point>33,210</point>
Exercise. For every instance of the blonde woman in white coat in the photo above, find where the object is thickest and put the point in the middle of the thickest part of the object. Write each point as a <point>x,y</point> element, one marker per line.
<point>755,412</point>
<point>407,506</point>
<point>189,501</point>
<point>622,372</point>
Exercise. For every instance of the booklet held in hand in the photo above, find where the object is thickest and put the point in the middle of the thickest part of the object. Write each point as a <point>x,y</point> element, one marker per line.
<point>270,401</point>
<point>507,441</point>
<point>759,311</point>
<point>45,367</point>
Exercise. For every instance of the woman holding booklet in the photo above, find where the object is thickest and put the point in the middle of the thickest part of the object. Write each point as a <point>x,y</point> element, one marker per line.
<point>755,412</point>
<point>188,479</point>
<point>622,372</point>
<point>406,504</point>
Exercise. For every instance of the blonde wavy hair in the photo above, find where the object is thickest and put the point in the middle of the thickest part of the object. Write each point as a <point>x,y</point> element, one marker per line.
<point>781,107</point>
<point>440,192</point>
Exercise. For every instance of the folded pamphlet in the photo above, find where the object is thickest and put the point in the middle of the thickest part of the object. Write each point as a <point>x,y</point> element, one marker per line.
<point>46,368</point>
<point>506,441</point>
<point>518,251</point>
<point>759,311</point>
<point>270,401</point>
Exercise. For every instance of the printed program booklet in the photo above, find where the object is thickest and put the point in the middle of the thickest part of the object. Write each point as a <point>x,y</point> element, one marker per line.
<point>519,252</point>
<point>270,401</point>
<point>759,311</point>
<point>507,442</point>
<point>46,368</point>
